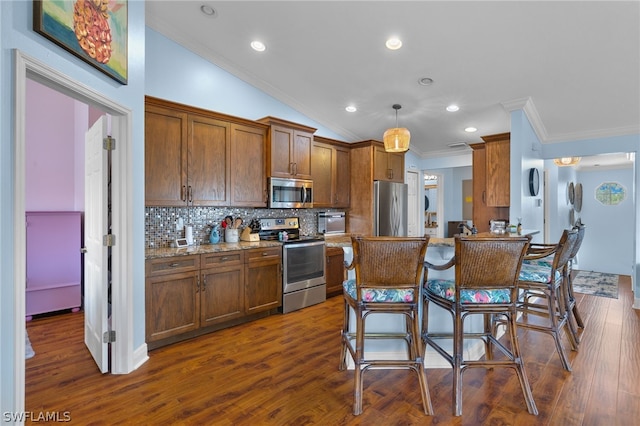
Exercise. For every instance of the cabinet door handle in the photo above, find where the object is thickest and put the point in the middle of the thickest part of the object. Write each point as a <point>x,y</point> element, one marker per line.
<point>190,194</point>
<point>224,258</point>
<point>173,265</point>
<point>295,169</point>
<point>264,253</point>
<point>484,198</point>
<point>197,284</point>
<point>183,193</point>
<point>204,283</point>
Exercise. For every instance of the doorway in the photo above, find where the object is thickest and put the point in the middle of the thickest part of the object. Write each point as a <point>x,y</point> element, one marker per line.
<point>433,186</point>
<point>122,291</point>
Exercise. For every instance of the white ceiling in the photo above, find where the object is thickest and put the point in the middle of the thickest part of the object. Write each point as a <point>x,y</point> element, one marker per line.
<point>578,63</point>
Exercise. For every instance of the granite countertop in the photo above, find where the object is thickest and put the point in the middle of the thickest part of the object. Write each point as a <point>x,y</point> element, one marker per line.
<point>154,253</point>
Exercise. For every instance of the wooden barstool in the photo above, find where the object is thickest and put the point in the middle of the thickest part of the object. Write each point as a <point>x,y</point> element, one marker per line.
<point>389,272</point>
<point>486,283</point>
<point>543,291</point>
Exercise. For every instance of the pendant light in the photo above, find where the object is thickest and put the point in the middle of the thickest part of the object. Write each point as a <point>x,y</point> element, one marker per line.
<point>396,139</point>
<point>566,161</point>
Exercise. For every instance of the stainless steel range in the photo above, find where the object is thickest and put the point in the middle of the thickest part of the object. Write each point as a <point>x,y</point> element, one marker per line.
<point>303,260</point>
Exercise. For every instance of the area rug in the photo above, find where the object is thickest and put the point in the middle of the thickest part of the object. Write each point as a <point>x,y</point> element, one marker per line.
<point>596,284</point>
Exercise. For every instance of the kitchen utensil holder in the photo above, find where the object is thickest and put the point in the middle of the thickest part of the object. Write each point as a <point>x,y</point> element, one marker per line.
<point>231,235</point>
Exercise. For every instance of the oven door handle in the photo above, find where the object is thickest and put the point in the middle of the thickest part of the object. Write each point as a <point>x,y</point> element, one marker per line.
<point>301,244</point>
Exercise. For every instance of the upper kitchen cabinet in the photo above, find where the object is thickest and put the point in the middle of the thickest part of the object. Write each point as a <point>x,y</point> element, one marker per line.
<point>189,153</point>
<point>288,148</point>
<point>498,169</point>
<point>330,173</point>
<point>387,165</point>
<point>490,183</point>
<point>165,156</point>
<point>248,153</point>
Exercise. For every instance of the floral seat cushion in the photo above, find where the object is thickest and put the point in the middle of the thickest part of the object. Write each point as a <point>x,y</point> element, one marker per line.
<point>537,273</point>
<point>446,290</point>
<point>389,295</point>
<point>545,262</point>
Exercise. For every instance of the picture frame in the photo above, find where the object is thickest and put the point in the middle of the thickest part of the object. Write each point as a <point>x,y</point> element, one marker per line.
<point>96,34</point>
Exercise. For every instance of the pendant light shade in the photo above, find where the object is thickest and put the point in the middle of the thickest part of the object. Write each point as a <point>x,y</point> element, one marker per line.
<point>566,161</point>
<point>396,139</point>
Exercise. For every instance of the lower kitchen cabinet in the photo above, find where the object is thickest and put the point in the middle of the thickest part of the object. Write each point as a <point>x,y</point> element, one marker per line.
<point>172,301</point>
<point>222,287</point>
<point>191,295</point>
<point>334,270</point>
<point>263,284</point>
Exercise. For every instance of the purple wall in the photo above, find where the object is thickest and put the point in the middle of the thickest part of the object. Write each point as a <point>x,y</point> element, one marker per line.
<point>55,128</point>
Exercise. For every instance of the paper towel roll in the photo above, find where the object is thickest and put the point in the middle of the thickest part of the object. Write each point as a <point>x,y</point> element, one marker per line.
<point>188,234</point>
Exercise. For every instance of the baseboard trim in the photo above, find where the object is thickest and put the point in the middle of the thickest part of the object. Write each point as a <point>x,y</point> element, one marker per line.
<point>140,356</point>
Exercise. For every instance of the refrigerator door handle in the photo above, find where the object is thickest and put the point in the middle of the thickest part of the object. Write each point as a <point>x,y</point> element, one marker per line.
<point>395,216</point>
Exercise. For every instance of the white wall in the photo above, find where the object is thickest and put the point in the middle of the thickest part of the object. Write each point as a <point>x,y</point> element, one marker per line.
<point>609,238</point>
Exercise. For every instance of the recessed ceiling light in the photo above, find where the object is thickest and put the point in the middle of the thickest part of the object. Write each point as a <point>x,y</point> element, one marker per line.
<point>351,108</point>
<point>425,81</point>
<point>453,108</point>
<point>208,10</point>
<point>470,129</point>
<point>393,43</point>
<point>258,46</point>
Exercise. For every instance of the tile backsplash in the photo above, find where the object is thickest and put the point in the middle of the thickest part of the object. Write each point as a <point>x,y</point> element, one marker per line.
<point>164,224</point>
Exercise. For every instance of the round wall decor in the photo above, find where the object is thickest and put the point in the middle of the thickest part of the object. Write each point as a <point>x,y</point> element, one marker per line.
<point>534,182</point>
<point>577,202</point>
<point>570,193</point>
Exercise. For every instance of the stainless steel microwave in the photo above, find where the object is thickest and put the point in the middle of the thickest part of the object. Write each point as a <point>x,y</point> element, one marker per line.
<point>290,193</point>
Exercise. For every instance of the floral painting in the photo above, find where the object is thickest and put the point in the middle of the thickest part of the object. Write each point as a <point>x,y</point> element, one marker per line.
<point>93,30</point>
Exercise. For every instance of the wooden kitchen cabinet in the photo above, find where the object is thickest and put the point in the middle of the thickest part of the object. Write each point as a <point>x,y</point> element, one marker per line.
<point>171,296</point>
<point>185,158</point>
<point>222,287</point>
<point>196,157</point>
<point>387,165</point>
<point>288,148</point>
<point>364,171</point>
<point>335,270</point>
<point>483,212</point>
<point>330,172</point>
<point>498,170</point>
<point>248,165</point>
<point>263,279</point>
<point>208,156</point>
<point>165,155</point>
<point>187,296</point>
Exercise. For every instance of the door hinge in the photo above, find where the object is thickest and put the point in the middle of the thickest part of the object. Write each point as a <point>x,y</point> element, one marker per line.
<point>109,143</point>
<point>109,240</point>
<point>109,336</point>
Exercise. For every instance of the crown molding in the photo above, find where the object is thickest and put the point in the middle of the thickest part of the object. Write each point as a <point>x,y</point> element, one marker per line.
<point>526,104</point>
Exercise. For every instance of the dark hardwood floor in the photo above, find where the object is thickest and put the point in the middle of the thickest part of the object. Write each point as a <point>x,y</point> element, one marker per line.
<point>283,370</point>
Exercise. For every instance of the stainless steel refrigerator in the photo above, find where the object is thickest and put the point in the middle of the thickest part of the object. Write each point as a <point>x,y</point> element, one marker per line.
<point>389,208</point>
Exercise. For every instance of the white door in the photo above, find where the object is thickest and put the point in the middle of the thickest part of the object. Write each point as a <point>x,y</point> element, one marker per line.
<point>413,205</point>
<point>95,257</point>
